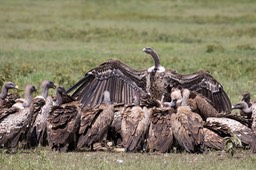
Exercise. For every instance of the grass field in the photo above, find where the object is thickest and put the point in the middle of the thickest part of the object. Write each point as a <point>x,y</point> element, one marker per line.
<point>44,159</point>
<point>60,40</point>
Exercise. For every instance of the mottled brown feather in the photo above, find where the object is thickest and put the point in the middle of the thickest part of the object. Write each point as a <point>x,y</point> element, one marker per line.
<point>187,128</point>
<point>63,125</point>
<point>160,136</point>
<point>212,140</point>
<point>14,128</point>
<point>201,106</point>
<point>243,132</point>
<point>94,124</point>
<point>134,126</point>
<point>253,144</point>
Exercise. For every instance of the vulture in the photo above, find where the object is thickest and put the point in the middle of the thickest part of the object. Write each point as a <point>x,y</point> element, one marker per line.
<point>95,122</point>
<point>246,97</point>
<point>213,140</point>
<point>245,109</point>
<point>42,107</point>
<point>114,131</point>
<point>134,126</point>
<point>203,107</point>
<point>124,82</point>
<point>199,104</point>
<point>15,126</point>
<point>253,144</point>
<point>187,126</point>
<point>7,100</point>
<point>63,122</point>
<point>160,135</point>
<point>243,132</point>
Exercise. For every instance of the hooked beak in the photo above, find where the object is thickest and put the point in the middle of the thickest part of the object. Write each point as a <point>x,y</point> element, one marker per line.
<point>173,103</point>
<point>170,104</point>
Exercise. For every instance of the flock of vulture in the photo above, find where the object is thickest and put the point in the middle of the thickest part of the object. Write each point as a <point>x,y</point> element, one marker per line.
<point>119,108</point>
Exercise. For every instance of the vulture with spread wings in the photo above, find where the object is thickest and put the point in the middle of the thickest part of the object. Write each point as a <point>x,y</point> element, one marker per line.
<point>156,82</point>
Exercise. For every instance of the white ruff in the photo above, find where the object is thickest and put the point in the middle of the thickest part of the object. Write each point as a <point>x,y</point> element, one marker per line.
<point>160,69</point>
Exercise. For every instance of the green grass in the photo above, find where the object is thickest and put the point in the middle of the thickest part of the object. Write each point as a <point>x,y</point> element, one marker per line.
<point>42,158</point>
<point>61,40</point>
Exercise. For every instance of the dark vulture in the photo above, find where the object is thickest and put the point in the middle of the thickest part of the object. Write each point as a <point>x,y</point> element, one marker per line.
<point>63,123</point>
<point>123,82</point>
<point>134,126</point>
<point>7,100</point>
<point>160,135</point>
<point>42,107</point>
<point>187,126</point>
<point>95,122</point>
<point>15,126</point>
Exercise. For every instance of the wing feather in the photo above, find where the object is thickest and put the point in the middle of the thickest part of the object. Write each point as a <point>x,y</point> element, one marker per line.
<point>116,77</point>
<point>202,82</point>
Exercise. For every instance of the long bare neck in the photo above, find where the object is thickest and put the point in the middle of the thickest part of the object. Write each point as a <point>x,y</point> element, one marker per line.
<point>3,93</point>
<point>185,97</point>
<point>45,92</point>
<point>156,60</point>
<point>246,108</point>
<point>59,100</point>
<point>28,99</point>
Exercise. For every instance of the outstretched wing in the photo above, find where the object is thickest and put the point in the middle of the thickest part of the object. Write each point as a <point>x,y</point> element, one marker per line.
<point>121,81</point>
<point>203,83</point>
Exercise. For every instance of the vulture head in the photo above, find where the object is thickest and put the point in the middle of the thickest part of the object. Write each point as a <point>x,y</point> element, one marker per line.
<point>246,97</point>
<point>243,106</point>
<point>46,84</point>
<point>6,87</point>
<point>157,67</point>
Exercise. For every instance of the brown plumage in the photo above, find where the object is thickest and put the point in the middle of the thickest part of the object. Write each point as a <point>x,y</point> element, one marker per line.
<point>114,132</point>
<point>42,106</point>
<point>38,130</point>
<point>134,126</point>
<point>202,106</point>
<point>187,126</point>
<point>7,100</point>
<point>63,124</point>
<point>95,123</point>
<point>123,82</point>
<point>212,140</point>
<point>219,128</point>
<point>243,132</point>
<point>253,144</point>
<point>160,135</point>
<point>14,127</point>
